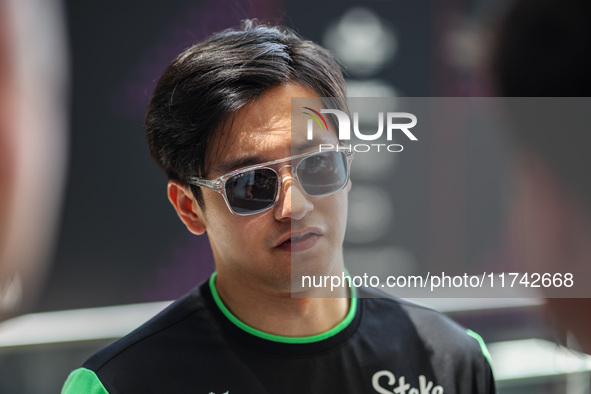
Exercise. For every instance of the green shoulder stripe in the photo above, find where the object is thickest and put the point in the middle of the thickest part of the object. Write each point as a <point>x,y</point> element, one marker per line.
<point>83,381</point>
<point>483,347</point>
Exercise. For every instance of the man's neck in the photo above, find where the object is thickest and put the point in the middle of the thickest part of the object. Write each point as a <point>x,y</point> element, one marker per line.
<point>275,312</point>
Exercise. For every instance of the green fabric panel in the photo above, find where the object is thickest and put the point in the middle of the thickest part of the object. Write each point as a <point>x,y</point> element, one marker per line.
<point>279,338</point>
<point>483,347</point>
<point>83,381</point>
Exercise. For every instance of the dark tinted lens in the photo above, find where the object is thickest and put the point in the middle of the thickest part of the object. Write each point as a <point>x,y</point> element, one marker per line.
<point>252,190</point>
<point>323,173</point>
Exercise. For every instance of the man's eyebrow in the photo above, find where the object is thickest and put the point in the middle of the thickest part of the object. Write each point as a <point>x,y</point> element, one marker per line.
<point>236,163</point>
<point>304,146</point>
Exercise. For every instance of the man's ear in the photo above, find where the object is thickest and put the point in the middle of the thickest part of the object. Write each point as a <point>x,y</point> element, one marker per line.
<point>186,207</point>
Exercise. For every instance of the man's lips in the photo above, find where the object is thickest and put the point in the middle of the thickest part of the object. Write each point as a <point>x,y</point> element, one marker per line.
<point>299,243</point>
<point>295,236</point>
<point>300,240</point>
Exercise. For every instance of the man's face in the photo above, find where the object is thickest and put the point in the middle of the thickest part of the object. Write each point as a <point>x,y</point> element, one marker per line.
<point>257,249</point>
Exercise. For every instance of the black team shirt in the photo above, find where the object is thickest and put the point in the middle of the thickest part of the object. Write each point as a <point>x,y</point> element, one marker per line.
<point>197,346</point>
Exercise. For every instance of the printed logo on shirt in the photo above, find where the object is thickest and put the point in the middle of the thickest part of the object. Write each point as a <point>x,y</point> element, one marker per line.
<point>227,392</point>
<point>425,386</point>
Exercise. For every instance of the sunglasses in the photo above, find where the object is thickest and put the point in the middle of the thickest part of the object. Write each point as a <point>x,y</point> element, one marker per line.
<point>254,189</point>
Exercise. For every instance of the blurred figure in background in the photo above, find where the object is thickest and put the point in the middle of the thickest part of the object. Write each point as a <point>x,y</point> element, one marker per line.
<point>32,144</point>
<point>543,49</point>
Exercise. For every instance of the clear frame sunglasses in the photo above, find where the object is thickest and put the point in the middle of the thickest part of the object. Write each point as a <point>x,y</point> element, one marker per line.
<point>255,189</point>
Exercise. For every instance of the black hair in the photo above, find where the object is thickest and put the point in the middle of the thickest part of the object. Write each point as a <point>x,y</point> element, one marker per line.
<point>209,82</point>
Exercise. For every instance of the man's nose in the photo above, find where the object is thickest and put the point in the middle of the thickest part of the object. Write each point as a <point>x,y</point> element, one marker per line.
<point>293,203</point>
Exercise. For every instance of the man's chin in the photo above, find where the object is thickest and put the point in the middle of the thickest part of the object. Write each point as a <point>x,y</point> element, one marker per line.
<point>314,279</point>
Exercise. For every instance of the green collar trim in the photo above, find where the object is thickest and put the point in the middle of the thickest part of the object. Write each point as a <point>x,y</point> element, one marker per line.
<point>279,338</point>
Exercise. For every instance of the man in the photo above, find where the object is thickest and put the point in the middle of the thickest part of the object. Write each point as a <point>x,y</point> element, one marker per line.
<point>543,49</point>
<point>220,125</point>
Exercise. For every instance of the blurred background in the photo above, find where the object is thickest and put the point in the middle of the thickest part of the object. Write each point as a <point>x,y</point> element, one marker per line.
<point>120,252</point>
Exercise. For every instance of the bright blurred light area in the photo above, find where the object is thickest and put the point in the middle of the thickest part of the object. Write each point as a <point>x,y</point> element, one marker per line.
<point>76,325</point>
<point>535,358</point>
<point>362,41</point>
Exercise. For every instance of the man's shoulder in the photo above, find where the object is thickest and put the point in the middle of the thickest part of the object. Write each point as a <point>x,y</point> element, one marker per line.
<point>437,331</point>
<point>431,339</point>
<point>171,322</point>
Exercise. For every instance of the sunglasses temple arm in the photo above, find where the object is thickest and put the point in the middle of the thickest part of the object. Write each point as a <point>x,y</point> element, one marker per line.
<point>210,184</point>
